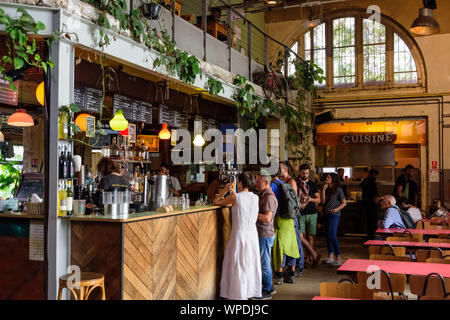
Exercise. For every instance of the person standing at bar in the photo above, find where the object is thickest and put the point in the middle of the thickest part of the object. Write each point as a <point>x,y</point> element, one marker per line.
<point>370,201</point>
<point>309,198</point>
<point>334,201</point>
<point>241,268</point>
<point>268,205</point>
<point>286,178</point>
<point>174,183</point>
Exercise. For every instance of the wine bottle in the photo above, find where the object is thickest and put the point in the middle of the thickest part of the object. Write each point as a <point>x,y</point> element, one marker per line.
<point>70,165</point>
<point>69,196</point>
<point>62,200</point>
<point>62,167</point>
<point>69,125</point>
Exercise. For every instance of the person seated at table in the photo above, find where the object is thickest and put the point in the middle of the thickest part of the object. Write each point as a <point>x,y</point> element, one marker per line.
<point>414,212</point>
<point>392,218</point>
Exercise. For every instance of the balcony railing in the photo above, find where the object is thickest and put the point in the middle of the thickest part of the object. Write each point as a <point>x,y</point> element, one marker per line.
<point>195,39</point>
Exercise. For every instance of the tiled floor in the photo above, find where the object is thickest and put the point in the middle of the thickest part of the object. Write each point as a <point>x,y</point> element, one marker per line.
<point>307,286</point>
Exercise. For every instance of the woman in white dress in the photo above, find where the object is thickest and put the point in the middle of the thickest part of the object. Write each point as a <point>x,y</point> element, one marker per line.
<point>241,268</point>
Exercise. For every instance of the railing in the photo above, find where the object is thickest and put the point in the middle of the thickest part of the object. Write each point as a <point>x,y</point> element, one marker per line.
<point>250,28</point>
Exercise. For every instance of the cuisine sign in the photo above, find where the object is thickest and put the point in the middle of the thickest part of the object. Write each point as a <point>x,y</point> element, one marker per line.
<point>368,138</point>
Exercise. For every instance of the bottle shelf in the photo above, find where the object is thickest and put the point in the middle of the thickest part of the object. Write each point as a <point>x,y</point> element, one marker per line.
<point>131,161</point>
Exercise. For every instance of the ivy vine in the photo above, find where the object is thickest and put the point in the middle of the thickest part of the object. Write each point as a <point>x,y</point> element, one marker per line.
<point>22,51</point>
<point>214,86</point>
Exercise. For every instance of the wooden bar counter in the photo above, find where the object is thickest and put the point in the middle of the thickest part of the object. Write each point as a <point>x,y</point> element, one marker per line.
<point>154,256</point>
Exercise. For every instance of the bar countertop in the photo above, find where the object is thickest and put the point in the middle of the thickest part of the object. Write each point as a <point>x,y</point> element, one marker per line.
<point>132,217</point>
<point>23,215</point>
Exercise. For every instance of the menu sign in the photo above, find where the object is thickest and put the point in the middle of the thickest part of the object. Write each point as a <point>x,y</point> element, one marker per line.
<point>89,99</point>
<point>180,119</point>
<point>369,138</point>
<point>133,110</point>
<point>166,116</point>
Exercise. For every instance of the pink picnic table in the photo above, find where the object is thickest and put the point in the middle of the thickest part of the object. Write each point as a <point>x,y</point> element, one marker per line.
<point>425,232</point>
<point>352,266</point>
<point>408,244</point>
<point>330,298</point>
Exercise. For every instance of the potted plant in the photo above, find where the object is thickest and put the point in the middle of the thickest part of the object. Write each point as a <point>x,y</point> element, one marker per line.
<point>151,10</point>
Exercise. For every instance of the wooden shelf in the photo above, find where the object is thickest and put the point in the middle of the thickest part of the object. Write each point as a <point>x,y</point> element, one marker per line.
<point>131,161</point>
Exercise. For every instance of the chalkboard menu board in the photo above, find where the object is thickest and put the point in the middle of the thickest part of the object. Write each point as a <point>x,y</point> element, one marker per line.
<point>166,116</point>
<point>133,110</point>
<point>180,119</point>
<point>30,183</point>
<point>89,99</point>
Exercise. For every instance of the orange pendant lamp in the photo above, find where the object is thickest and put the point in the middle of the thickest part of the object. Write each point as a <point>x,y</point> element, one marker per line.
<point>81,122</point>
<point>164,134</point>
<point>40,93</point>
<point>20,119</point>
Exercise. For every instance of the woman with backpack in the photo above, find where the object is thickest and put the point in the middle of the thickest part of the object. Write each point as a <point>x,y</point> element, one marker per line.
<point>334,201</point>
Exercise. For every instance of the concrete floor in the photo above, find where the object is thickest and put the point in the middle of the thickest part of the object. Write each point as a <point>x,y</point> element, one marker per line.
<point>307,286</point>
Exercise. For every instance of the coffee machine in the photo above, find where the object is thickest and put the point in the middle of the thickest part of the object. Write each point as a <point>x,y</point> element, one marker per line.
<point>157,191</point>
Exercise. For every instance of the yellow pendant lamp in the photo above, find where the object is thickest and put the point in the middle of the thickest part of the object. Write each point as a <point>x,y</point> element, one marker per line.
<point>81,122</point>
<point>198,140</point>
<point>20,119</point>
<point>164,134</point>
<point>40,93</point>
<point>118,123</point>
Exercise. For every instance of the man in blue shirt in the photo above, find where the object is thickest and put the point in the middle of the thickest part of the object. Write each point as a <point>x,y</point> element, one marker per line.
<point>392,217</point>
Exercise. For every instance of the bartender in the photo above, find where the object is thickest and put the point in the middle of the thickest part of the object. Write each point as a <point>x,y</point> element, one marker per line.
<point>111,179</point>
<point>174,183</point>
<point>111,176</point>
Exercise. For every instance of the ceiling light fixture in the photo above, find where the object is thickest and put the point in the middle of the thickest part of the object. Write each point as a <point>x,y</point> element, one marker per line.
<point>118,123</point>
<point>40,93</point>
<point>20,119</point>
<point>164,134</point>
<point>310,23</point>
<point>426,24</point>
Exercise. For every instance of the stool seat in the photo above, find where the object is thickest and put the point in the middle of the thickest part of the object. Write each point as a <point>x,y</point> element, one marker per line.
<point>88,282</point>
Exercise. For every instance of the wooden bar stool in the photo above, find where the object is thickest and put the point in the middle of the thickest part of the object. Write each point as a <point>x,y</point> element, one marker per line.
<point>88,282</point>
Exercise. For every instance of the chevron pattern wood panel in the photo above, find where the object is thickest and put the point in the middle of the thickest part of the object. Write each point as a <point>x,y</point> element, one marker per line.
<point>178,257</point>
<point>188,230</point>
<point>97,247</point>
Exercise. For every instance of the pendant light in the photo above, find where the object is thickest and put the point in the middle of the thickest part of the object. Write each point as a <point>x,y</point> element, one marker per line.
<point>164,134</point>
<point>198,140</point>
<point>425,24</point>
<point>118,123</point>
<point>20,119</point>
<point>40,93</point>
<point>124,132</point>
<point>81,122</point>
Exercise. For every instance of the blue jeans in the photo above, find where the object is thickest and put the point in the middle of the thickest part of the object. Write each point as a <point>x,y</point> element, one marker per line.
<point>301,260</point>
<point>265,250</point>
<point>333,223</point>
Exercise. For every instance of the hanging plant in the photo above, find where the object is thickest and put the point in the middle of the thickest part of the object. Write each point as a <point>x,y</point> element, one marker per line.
<point>22,51</point>
<point>214,86</point>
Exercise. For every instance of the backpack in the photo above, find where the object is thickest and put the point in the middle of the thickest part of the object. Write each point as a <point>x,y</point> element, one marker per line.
<point>407,220</point>
<point>289,206</point>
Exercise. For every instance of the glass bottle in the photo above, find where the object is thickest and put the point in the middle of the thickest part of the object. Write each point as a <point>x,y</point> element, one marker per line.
<point>62,200</point>
<point>69,196</point>
<point>69,126</point>
<point>62,126</point>
<point>70,165</point>
<point>62,166</point>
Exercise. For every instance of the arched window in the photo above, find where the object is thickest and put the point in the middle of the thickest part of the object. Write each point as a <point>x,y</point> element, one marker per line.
<point>357,52</point>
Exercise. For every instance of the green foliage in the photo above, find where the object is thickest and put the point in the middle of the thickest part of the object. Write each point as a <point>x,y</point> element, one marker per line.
<point>250,105</point>
<point>21,50</point>
<point>177,62</point>
<point>214,86</point>
<point>9,178</point>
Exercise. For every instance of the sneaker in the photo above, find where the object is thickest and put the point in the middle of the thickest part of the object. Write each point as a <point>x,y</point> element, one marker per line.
<point>298,273</point>
<point>273,290</point>
<point>290,278</point>
<point>328,261</point>
<point>277,281</point>
<point>265,296</point>
<point>337,263</point>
